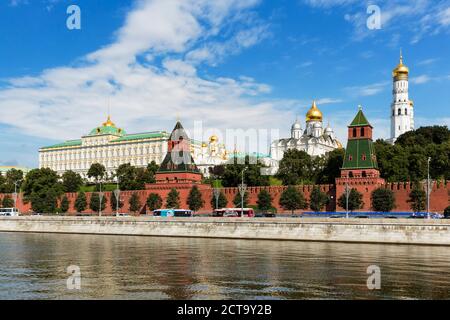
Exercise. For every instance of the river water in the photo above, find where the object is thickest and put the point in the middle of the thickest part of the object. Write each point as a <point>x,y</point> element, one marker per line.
<point>34,266</point>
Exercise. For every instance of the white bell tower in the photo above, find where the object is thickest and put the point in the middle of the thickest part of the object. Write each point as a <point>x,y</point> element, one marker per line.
<point>402,109</point>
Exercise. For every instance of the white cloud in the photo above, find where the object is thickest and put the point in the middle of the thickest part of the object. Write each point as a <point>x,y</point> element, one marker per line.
<point>421,79</point>
<point>367,90</point>
<point>418,17</point>
<point>67,102</point>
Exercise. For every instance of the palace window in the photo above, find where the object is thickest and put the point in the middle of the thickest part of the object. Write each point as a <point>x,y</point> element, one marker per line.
<point>354,133</point>
<point>364,157</point>
<point>406,112</point>
<point>350,158</point>
<point>399,112</point>
<point>362,132</point>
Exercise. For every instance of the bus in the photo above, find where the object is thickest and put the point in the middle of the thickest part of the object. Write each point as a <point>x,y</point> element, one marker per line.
<point>172,213</point>
<point>9,212</point>
<point>234,212</point>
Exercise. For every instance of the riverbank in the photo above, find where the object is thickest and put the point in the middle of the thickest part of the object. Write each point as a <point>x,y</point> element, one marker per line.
<point>398,231</point>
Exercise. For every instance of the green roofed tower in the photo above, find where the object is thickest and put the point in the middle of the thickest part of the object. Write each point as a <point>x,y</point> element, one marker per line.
<point>360,158</point>
<point>360,168</point>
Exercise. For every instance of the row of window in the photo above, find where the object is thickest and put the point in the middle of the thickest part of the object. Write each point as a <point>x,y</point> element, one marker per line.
<point>51,156</point>
<point>399,112</point>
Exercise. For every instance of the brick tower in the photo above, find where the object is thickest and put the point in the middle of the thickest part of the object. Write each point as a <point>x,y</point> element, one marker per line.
<point>360,168</point>
<point>178,166</point>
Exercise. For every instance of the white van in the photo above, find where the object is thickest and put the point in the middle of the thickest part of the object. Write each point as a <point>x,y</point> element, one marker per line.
<point>9,212</point>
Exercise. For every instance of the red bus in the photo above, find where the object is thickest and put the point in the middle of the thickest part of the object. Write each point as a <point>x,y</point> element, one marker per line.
<point>234,212</point>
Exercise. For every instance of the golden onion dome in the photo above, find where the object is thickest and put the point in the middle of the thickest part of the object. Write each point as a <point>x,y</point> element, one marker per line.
<point>213,139</point>
<point>204,145</point>
<point>109,123</point>
<point>314,114</point>
<point>401,70</point>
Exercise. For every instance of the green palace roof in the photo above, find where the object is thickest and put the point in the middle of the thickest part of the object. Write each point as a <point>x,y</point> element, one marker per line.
<point>65,144</point>
<point>141,136</point>
<point>124,138</point>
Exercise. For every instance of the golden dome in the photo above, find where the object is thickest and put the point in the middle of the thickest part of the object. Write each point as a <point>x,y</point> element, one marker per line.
<point>204,145</point>
<point>401,70</point>
<point>314,114</point>
<point>109,123</point>
<point>213,139</point>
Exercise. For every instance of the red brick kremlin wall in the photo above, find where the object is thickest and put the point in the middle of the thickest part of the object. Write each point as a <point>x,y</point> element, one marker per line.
<point>439,196</point>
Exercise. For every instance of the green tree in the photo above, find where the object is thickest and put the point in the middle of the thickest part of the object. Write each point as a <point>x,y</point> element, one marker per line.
<point>94,203</point>
<point>7,202</point>
<point>152,168</point>
<point>64,206</point>
<point>132,178</point>
<point>417,198</point>
<point>237,201</point>
<point>71,181</point>
<point>154,201</point>
<point>81,202</point>
<point>332,167</point>
<point>173,199</point>
<point>43,189</point>
<point>2,183</point>
<point>292,199</point>
<point>97,171</point>
<point>222,202</point>
<point>383,200</point>
<point>355,200</point>
<point>264,201</point>
<point>135,202</point>
<point>113,203</point>
<point>13,177</point>
<point>232,173</point>
<point>295,168</point>
<point>195,200</point>
<point>318,199</point>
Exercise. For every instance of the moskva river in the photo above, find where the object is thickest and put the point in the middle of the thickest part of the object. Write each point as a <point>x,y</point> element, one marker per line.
<point>34,266</point>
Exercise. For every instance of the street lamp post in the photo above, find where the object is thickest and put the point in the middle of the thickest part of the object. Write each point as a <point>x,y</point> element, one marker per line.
<point>15,195</point>
<point>347,196</point>
<point>117,195</point>
<point>428,189</point>
<point>100,195</point>
<point>242,189</point>
<point>216,196</point>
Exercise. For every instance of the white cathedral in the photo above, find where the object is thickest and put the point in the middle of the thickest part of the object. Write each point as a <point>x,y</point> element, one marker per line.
<point>314,139</point>
<point>402,117</point>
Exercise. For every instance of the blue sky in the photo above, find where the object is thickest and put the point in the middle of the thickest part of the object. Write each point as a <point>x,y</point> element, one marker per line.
<point>231,64</point>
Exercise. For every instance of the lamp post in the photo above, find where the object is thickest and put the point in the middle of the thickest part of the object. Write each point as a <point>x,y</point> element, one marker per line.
<point>100,196</point>
<point>242,189</point>
<point>117,195</point>
<point>347,196</point>
<point>216,196</point>
<point>15,195</point>
<point>428,189</point>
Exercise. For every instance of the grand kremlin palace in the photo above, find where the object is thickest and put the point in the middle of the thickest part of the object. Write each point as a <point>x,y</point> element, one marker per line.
<point>112,146</point>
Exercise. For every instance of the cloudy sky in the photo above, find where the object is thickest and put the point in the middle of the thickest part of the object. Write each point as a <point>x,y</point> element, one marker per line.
<point>229,63</point>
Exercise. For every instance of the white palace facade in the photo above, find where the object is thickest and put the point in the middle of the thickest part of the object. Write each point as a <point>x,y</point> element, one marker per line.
<point>112,146</point>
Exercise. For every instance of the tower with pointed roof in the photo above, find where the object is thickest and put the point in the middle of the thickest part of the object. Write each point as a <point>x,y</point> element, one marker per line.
<point>178,165</point>
<point>402,108</point>
<point>360,167</point>
<point>360,160</point>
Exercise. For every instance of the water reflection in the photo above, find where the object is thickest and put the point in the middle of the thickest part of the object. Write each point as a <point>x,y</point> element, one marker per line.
<point>33,266</point>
